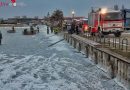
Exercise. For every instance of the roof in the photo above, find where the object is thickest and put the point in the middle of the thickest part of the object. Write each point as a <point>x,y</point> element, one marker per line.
<point>116,11</point>
<point>127,10</point>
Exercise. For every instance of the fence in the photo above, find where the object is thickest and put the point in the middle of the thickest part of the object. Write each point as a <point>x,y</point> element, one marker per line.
<point>119,43</point>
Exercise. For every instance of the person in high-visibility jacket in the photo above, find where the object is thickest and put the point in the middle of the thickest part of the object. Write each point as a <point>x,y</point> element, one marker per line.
<point>56,29</point>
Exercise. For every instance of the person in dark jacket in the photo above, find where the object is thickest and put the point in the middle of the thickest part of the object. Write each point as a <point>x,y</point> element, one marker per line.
<point>77,29</point>
<point>51,29</point>
<point>31,29</point>
<point>0,37</point>
<point>13,28</point>
<point>47,29</point>
<point>37,29</point>
<point>72,30</point>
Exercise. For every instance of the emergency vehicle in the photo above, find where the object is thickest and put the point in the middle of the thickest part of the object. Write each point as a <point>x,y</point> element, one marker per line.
<point>126,17</point>
<point>104,22</point>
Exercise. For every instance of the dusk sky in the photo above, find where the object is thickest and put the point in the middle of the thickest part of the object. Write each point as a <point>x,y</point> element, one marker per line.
<point>40,8</point>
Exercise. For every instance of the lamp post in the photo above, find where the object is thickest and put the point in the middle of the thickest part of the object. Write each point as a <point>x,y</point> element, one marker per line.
<point>99,12</point>
<point>73,13</point>
<point>102,11</point>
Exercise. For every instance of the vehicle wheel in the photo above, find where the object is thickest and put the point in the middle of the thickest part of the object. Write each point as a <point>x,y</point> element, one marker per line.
<point>102,36</point>
<point>105,33</point>
<point>92,34</point>
<point>117,34</point>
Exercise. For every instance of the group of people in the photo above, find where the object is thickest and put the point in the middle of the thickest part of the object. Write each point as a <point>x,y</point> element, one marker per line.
<point>49,28</point>
<point>32,31</point>
<point>74,28</point>
<point>79,28</point>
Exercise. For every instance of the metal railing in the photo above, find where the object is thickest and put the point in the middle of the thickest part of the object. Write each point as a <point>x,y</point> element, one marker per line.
<point>120,43</point>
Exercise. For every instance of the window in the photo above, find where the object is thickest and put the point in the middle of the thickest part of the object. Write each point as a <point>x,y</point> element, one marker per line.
<point>127,14</point>
<point>112,16</point>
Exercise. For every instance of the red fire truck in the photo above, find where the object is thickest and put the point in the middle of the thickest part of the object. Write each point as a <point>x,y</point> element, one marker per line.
<point>104,22</point>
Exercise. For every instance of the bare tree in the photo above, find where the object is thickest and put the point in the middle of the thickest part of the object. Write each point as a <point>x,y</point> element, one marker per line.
<point>57,18</point>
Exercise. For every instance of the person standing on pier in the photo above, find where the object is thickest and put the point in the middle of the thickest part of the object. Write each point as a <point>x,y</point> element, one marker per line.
<point>37,29</point>
<point>51,29</point>
<point>0,37</point>
<point>31,29</point>
<point>47,30</point>
<point>72,30</point>
<point>77,29</point>
<point>13,28</point>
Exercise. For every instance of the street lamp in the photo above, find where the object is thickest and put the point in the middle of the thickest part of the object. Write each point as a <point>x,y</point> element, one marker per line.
<point>102,11</point>
<point>73,13</point>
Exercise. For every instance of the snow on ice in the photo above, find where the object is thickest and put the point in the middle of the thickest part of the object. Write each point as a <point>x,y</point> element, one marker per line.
<point>27,63</point>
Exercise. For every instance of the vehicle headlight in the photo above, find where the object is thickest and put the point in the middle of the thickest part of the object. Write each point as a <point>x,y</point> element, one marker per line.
<point>86,28</point>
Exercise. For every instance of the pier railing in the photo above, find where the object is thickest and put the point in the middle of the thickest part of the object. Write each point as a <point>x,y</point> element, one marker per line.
<point>117,66</point>
<point>117,43</point>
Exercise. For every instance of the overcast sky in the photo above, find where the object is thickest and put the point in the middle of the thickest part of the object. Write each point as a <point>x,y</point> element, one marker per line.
<point>40,8</point>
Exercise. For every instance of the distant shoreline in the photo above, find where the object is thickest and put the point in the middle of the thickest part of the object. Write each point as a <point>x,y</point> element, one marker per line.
<point>15,25</point>
<point>9,26</point>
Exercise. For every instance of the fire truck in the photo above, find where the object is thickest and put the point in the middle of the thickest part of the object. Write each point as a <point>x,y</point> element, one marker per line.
<point>126,17</point>
<point>104,22</point>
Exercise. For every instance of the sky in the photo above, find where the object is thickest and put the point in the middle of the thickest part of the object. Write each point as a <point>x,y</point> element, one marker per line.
<point>40,8</point>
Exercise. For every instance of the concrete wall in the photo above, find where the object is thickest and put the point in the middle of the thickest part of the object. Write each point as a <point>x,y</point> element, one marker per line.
<point>116,66</point>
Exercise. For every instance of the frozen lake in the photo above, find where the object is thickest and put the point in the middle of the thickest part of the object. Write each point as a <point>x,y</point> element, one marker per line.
<point>27,63</point>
